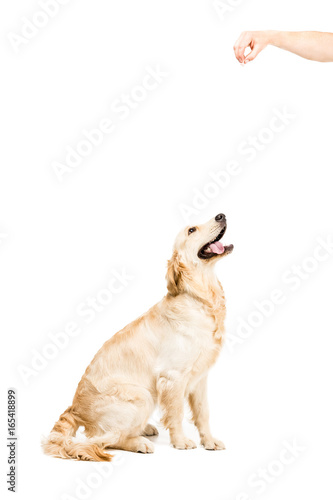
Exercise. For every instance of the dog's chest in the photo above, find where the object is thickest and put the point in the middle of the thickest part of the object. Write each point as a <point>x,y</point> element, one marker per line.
<point>209,331</point>
<point>192,336</point>
<point>201,336</point>
<point>207,344</point>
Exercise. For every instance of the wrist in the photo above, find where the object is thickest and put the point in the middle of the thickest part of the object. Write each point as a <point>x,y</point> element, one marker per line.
<point>273,37</point>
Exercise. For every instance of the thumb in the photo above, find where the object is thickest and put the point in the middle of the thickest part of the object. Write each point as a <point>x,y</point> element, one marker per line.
<point>253,54</point>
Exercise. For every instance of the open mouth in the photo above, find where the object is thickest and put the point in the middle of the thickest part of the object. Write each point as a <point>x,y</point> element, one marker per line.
<point>215,247</point>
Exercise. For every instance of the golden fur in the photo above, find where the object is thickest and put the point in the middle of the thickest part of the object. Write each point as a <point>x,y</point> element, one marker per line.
<point>161,358</point>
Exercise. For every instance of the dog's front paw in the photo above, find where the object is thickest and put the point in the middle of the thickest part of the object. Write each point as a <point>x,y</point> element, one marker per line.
<point>184,443</point>
<point>211,443</point>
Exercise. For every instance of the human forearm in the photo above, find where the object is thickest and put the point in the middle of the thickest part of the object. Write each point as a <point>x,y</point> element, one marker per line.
<point>312,45</point>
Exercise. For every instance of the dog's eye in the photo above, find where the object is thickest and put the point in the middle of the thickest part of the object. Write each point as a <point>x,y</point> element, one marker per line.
<point>191,230</point>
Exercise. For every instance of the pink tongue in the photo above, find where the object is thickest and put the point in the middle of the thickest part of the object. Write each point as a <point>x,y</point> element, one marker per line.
<point>217,247</point>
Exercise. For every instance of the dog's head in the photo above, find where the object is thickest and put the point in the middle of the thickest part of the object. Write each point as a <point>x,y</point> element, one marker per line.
<point>195,249</point>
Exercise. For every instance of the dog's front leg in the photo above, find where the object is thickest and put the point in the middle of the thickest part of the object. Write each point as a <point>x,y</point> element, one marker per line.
<point>171,392</point>
<point>199,406</point>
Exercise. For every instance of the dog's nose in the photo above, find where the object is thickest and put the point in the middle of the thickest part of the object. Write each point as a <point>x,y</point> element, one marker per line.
<point>220,217</point>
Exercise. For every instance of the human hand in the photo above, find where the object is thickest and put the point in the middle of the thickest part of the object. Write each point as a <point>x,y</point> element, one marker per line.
<point>256,40</point>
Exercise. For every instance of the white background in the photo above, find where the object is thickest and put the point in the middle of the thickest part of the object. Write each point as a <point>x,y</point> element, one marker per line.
<point>120,208</point>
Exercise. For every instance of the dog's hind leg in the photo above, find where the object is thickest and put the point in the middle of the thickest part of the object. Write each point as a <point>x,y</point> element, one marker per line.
<point>124,419</point>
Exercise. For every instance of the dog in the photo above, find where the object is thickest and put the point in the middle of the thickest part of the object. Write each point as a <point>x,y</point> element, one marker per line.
<point>162,358</point>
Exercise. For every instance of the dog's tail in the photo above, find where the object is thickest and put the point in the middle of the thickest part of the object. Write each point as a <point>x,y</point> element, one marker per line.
<point>60,444</point>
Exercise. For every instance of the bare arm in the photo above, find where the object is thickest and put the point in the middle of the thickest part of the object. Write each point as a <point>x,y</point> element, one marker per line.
<point>313,45</point>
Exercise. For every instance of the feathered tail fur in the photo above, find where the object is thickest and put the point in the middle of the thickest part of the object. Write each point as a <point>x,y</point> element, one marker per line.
<point>60,444</point>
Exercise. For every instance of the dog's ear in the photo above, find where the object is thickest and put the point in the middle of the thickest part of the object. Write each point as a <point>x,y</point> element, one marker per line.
<point>173,275</point>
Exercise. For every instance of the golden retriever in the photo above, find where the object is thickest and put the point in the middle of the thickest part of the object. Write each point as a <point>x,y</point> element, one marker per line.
<point>162,358</point>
